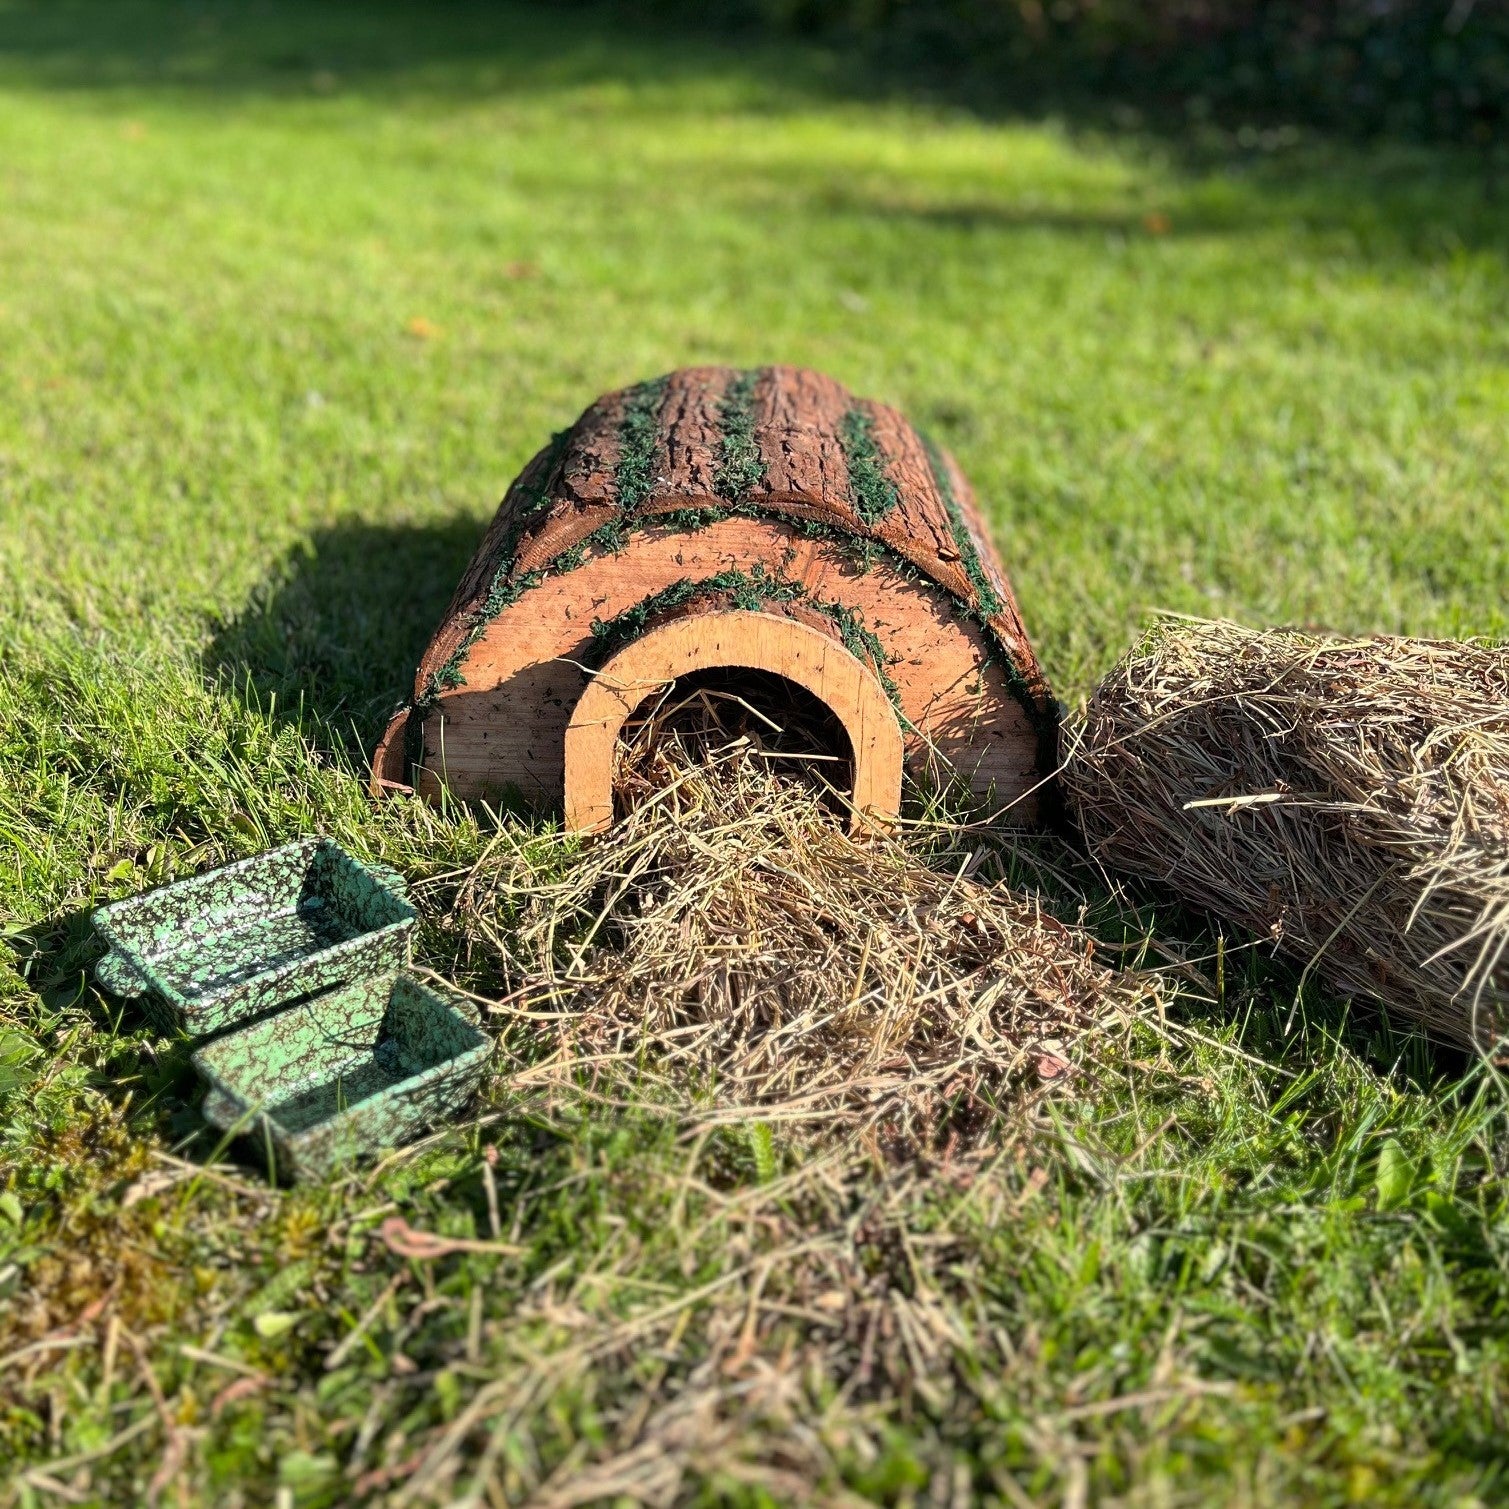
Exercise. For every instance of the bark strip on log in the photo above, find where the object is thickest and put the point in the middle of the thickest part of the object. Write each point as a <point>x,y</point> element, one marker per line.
<point>919,528</point>
<point>689,449</point>
<point>585,496</point>
<point>798,418</point>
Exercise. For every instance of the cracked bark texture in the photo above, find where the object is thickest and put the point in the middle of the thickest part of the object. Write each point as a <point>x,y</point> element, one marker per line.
<point>798,419</point>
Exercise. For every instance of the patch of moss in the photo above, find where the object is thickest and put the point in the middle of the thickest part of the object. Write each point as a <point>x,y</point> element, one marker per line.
<point>752,591</point>
<point>690,519</point>
<point>504,593</point>
<point>741,467</point>
<point>861,549</point>
<point>987,599</point>
<point>871,490</point>
<point>635,474</point>
<point>612,537</point>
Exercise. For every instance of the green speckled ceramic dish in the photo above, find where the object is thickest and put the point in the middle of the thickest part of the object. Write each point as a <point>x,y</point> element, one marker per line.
<point>237,942</point>
<point>353,1071</point>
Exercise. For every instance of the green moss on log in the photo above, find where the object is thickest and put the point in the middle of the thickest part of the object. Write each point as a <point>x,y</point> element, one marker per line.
<point>634,476</point>
<point>740,468</point>
<point>751,591</point>
<point>871,490</point>
<point>987,599</point>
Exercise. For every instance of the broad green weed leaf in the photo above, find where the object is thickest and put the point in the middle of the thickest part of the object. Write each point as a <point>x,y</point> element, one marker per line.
<point>271,1324</point>
<point>1394,1177</point>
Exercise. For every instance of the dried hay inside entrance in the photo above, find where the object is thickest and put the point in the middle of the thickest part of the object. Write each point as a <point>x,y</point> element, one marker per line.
<point>1350,798</point>
<point>728,948</point>
<point>714,717</point>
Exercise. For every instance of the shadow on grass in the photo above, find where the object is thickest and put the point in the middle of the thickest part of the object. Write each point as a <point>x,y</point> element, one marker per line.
<point>1285,1015</point>
<point>1389,197</point>
<point>1361,209</point>
<point>334,637</point>
<point>57,958</point>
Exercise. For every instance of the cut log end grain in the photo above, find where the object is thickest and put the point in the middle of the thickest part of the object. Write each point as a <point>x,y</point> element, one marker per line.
<point>736,499</point>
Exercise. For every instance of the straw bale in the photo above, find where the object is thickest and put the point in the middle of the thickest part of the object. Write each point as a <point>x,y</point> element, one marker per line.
<point>1347,797</point>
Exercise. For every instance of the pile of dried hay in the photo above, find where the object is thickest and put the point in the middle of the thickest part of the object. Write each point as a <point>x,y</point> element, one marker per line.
<point>1348,797</point>
<point>729,954</point>
<point>727,947</point>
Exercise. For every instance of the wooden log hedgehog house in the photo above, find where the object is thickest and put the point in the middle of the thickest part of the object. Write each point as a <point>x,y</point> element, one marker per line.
<point>715,521</point>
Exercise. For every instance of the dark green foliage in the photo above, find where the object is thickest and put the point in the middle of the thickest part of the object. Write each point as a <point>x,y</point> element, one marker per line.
<point>1423,69</point>
<point>448,678</point>
<point>636,439</point>
<point>986,599</point>
<point>505,592</point>
<point>741,467</point>
<point>873,493</point>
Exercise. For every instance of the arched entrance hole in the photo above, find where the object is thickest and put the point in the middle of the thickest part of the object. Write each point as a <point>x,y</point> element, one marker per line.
<point>727,711</point>
<point>708,661</point>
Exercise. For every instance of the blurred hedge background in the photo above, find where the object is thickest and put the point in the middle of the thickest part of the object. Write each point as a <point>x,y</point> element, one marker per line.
<point>1416,69</point>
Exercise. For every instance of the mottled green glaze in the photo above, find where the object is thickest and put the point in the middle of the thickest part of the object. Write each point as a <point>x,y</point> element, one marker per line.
<point>351,1071</point>
<point>360,1056</point>
<point>239,941</point>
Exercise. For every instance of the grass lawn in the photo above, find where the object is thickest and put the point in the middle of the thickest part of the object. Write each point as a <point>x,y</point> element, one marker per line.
<point>287,295</point>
